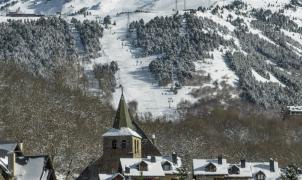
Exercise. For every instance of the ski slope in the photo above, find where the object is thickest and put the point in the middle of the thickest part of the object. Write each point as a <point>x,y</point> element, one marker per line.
<point>134,76</point>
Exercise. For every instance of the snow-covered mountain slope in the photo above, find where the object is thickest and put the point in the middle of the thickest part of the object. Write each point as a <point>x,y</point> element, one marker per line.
<point>134,76</point>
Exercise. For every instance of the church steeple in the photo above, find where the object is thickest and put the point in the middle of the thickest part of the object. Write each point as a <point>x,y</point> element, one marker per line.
<point>122,118</point>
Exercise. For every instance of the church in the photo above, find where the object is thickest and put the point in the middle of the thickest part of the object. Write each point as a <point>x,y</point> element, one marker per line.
<point>129,154</point>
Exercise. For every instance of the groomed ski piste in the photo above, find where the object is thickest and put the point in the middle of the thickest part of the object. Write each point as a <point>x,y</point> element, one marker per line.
<point>133,74</point>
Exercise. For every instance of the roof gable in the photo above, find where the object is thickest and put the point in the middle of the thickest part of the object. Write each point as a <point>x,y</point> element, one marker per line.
<point>210,167</point>
<point>234,170</point>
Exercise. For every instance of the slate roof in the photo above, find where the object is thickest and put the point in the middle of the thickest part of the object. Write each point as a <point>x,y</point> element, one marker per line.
<point>122,118</point>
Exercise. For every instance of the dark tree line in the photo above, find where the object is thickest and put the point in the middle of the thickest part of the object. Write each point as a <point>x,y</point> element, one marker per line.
<point>41,46</point>
<point>90,32</point>
<point>178,41</point>
<point>47,45</point>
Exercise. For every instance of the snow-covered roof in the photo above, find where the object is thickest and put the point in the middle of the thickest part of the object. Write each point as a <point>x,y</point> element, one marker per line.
<point>154,169</point>
<point>199,167</point>
<point>121,132</point>
<point>265,168</point>
<point>243,171</point>
<point>31,167</point>
<point>295,108</point>
<point>109,176</point>
<point>251,169</point>
<point>168,158</point>
<point>7,147</point>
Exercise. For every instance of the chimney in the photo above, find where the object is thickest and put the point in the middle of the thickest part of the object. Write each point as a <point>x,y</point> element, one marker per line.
<point>220,159</point>
<point>153,138</point>
<point>11,162</point>
<point>127,169</point>
<point>242,163</point>
<point>153,159</point>
<point>174,158</point>
<point>272,165</point>
<point>20,144</point>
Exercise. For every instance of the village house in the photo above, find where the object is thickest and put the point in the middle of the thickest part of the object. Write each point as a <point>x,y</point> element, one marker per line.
<point>214,169</point>
<point>152,167</point>
<point>14,165</point>
<point>127,150</point>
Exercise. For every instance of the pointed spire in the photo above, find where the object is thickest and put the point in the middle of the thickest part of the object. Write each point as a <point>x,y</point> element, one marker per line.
<point>122,118</point>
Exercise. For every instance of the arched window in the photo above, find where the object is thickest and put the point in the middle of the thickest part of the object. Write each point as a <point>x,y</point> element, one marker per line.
<point>260,176</point>
<point>124,144</point>
<point>114,144</point>
<point>166,166</point>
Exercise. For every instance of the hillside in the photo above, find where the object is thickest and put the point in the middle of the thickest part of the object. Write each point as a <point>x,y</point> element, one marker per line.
<point>212,74</point>
<point>266,34</point>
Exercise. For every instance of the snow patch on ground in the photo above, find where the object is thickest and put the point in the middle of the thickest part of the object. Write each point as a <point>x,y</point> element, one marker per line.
<point>217,69</point>
<point>272,79</point>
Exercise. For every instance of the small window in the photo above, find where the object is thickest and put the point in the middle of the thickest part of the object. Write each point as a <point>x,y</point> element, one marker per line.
<point>234,170</point>
<point>114,142</point>
<point>124,144</point>
<point>166,166</point>
<point>210,168</point>
<point>260,176</point>
<point>143,166</point>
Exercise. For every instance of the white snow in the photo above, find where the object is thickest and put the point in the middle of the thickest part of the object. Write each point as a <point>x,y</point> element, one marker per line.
<point>250,170</point>
<point>134,75</point>
<point>31,168</point>
<point>272,79</point>
<point>218,69</point>
<point>154,168</point>
<point>121,132</point>
<point>296,37</point>
<point>265,168</point>
<point>199,166</point>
